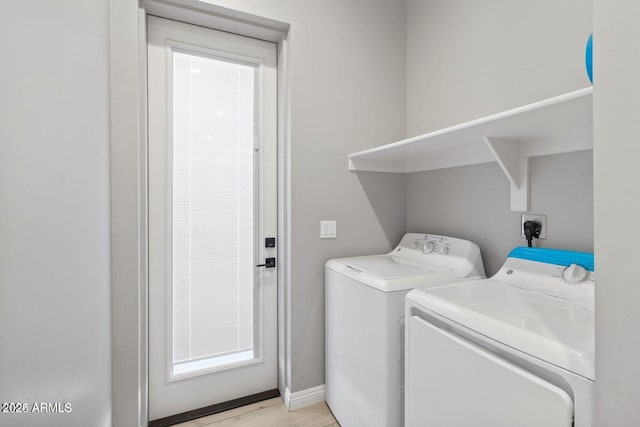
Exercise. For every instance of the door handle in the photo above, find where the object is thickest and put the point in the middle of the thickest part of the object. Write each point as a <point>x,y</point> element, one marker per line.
<point>268,263</point>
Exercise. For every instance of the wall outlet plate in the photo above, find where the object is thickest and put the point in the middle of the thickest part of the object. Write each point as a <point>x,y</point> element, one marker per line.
<point>542,219</point>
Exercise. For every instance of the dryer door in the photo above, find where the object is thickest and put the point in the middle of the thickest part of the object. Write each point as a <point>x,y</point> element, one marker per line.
<point>453,383</point>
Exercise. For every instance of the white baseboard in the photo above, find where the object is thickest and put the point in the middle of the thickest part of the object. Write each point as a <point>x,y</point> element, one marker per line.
<point>302,398</point>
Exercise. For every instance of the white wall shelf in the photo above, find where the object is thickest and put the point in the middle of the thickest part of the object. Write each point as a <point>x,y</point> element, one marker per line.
<point>556,125</point>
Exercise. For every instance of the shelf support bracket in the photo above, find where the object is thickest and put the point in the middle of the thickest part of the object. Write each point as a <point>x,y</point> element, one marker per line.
<point>515,165</point>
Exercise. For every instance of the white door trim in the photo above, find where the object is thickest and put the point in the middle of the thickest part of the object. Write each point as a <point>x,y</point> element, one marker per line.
<point>128,150</point>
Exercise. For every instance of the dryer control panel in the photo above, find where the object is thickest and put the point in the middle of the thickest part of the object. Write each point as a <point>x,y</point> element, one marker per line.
<point>564,274</point>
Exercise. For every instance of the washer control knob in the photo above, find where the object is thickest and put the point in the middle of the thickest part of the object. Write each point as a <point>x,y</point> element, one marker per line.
<point>443,250</point>
<point>428,247</point>
<point>414,244</point>
<point>575,274</point>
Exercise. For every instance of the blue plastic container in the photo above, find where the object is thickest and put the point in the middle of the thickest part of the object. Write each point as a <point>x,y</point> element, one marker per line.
<point>589,57</point>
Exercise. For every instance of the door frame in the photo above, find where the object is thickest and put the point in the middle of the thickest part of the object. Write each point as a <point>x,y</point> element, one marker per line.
<point>128,176</point>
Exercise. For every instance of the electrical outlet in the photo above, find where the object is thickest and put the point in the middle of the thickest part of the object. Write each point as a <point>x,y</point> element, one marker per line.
<point>542,219</point>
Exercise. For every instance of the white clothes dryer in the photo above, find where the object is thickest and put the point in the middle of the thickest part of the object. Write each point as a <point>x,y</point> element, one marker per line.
<point>364,322</point>
<point>513,350</point>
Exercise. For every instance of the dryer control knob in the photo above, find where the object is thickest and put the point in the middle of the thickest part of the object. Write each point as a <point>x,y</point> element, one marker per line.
<point>415,244</point>
<point>428,247</point>
<point>575,274</point>
<point>443,250</point>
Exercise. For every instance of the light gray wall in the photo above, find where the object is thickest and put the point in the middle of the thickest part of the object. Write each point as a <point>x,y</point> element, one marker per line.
<point>347,94</point>
<point>472,202</point>
<point>617,202</point>
<point>54,211</point>
<point>466,60</point>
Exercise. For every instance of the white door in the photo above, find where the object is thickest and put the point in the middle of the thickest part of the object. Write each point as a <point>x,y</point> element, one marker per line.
<point>451,382</point>
<point>212,203</point>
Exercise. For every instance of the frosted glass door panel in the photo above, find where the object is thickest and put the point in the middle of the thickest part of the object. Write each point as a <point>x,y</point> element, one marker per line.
<point>212,200</point>
<point>212,212</point>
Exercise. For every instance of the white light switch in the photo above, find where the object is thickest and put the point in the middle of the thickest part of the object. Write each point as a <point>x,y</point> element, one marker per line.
<point>327,229</point>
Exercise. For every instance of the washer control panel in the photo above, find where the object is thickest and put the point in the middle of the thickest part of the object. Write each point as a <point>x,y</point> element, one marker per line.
<point>448,253</point>
<point>431,244</point>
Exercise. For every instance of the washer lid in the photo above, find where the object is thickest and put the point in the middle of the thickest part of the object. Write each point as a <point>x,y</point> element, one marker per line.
<point>389,273</point>
<point>549,328</point>
<point>388,266</point>
<point>418,260</point>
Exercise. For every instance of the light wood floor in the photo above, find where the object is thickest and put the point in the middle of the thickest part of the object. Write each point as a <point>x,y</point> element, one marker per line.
<point>268,413</point>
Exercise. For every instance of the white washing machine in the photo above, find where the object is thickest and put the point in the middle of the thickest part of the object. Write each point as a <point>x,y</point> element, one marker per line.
<point>364,322</point>
<point>513,350</point>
